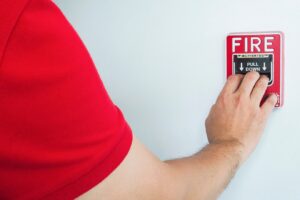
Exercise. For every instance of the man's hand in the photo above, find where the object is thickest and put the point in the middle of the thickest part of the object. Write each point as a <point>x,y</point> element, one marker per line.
<point>234,127</point>
<point>237,116</point>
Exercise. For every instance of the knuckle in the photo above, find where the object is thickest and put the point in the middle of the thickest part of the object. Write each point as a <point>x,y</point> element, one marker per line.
<point>252,111</point>
<point>231,78</point>
<point>234,77</point>
<point>224,100</point>
<point>240,100</point>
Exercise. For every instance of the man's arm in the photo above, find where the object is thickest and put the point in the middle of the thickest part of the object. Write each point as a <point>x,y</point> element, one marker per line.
<point>234,127</point>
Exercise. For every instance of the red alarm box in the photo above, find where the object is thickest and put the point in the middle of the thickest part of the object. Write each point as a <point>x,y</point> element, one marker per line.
<point>261,52</point>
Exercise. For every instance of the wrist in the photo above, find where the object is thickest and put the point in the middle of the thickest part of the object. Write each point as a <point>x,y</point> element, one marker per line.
<point>232,149</point>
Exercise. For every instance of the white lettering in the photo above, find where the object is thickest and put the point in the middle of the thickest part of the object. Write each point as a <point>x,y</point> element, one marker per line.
<point>246,44</point>
<point>267,44</point>
<point>253,44</point>
<point>249,69</point>
<point>235,43</point>
<point>256,45</point>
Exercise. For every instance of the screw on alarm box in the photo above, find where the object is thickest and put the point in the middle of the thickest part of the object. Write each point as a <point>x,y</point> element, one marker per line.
<point>261,52</point>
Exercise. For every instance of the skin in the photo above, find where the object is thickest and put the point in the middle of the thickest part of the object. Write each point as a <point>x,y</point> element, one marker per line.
<point>234,127</point>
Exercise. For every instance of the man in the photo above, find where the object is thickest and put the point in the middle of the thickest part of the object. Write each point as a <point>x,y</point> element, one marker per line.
<point>61,136</point>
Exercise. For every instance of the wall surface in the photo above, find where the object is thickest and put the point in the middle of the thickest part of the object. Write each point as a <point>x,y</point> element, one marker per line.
<point>163,63</point>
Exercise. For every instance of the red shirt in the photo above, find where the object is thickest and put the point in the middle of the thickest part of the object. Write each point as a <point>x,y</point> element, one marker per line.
<point>60,133</point>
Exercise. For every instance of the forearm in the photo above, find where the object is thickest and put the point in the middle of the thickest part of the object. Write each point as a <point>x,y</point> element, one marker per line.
<point>206,174</point>
<point>236,114</point>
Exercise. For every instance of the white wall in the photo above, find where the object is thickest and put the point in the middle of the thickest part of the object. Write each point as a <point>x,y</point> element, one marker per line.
<point>163,63</point>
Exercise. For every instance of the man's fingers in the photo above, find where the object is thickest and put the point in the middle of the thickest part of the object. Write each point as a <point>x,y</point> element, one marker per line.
<point>232,84</point>
<point>269,104</point>
<point>248,83</point>
<point>259,89</point>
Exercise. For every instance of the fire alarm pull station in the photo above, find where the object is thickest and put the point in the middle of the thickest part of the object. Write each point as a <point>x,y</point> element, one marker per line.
<point>261,52</point>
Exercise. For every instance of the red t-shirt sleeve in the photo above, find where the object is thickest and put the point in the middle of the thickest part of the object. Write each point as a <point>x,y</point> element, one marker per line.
<point>60,133</point>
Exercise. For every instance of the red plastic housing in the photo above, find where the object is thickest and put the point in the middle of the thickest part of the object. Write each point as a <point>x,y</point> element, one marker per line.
<point>262,52</point>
